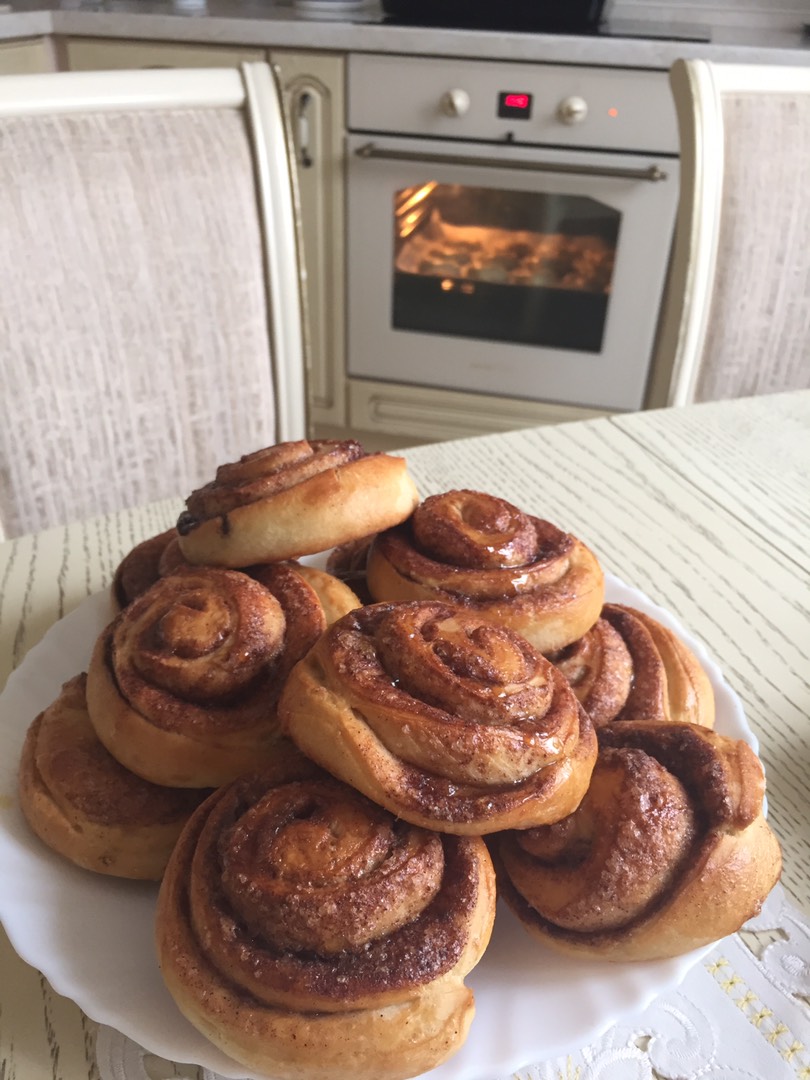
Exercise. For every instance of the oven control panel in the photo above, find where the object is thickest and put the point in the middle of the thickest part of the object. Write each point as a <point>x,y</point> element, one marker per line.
<point>533,104</point>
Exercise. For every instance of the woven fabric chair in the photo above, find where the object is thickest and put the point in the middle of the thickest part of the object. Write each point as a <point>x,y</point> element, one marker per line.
<point>150,296</point>
<point>737,319</point>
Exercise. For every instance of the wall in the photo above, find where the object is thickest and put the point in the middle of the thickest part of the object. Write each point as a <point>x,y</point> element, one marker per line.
<point>774,14</point>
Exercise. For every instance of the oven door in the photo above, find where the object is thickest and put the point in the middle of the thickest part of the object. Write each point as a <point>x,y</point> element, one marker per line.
<point>526,272</point>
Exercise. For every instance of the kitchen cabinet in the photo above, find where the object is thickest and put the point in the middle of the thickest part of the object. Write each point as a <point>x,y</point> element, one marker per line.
<point>312,89</point>
<point>425,414</point>
<point>29,56</point>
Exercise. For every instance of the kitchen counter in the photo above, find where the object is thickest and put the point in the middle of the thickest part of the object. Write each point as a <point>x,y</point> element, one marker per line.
<point>229,22</point>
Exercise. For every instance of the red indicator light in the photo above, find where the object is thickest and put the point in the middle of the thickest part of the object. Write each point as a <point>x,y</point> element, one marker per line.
<point>513,106</point>
<point>613,112</point>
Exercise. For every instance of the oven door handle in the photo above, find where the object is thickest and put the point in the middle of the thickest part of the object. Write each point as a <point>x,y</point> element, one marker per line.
<point>652,172</point>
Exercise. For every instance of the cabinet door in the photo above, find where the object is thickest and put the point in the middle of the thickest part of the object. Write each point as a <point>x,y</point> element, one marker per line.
<point>313,93</point>
<point>95,54</point>
<point>427,414</point>
<point>28,57</point>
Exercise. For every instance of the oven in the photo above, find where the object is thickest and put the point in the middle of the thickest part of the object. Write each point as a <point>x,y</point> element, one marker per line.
<point>508,226</point>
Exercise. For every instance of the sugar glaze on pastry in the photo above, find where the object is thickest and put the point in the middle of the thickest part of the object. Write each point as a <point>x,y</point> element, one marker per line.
<point>488,556</point>
<point>309,933</point>
<point>445,719</point>
<point>668,851</point>
<point>629,666</point>
<point>183,685</point>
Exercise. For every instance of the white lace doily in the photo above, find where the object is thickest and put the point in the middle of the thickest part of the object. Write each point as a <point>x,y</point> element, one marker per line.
<point>741,1014</point>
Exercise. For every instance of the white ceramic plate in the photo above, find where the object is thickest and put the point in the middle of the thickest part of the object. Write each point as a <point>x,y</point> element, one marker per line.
<point>92,936</point>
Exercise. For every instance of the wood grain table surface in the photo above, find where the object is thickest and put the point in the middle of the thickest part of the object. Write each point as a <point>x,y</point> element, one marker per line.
<point>706,509</point>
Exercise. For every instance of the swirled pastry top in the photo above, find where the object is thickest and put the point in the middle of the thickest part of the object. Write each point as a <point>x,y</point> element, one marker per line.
<point>85,805</point>
<point>308,895</point>
<point>292,499</point>
<point>667,851</point>
<point>441,716</point>
<point>629,666</point>
<point>183,684</point>
<point>481,552</point>
<point>312,934</point>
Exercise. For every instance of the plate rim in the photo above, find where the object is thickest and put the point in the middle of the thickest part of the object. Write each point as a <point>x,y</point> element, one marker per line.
<point>99,608</point>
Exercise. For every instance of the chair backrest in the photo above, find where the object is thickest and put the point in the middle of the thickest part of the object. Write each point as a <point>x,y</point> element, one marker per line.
<point>737,318</point>
<point>151,320</point>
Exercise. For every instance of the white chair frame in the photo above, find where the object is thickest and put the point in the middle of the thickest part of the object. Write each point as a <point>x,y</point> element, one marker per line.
<point>698,87</point>
<point>252,87</point>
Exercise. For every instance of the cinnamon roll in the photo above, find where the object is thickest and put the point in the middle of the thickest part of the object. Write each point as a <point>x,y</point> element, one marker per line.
<point>667,852</point>
<point>293,499</point>
<point>139,568</point>
<point>348,562</point>
<point>172,558</point>
<point>483,553</point>
<point>309,933</point>
<point>629,666</point>
<point>86,806</point>
<point>334,595</point>
<point>442,717</point>
<point>148,561</point>
<point>183,685</point>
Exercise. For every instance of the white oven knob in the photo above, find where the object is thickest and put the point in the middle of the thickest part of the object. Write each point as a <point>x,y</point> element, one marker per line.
<point>455,103</point>
<point>572,110</point>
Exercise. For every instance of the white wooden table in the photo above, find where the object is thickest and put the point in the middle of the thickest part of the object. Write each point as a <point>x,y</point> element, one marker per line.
<point>705,509</point>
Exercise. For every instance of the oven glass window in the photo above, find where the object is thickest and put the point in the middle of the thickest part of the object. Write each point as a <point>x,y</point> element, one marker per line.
<point>518,266</point>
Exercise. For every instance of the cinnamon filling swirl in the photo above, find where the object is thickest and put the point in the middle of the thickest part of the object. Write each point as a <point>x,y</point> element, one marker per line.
<point>183,685</point>
<point>442,717</point>
<point>672,820</point>
<point>629,666</point>
<point>482,553</point>
<point>307,895</point>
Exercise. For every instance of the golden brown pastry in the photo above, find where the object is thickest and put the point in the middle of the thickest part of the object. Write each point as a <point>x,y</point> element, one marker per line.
<point>183,685</point>
<point>334,596</point>
<point>443,718</point>
<point>310,934</point>
<point>88,808</point>
<point>141,567</point>
<point>348,562</point>
<point>479,551</point>
<point>629,666</point>
<point>668,851</point>
<point>293,499</point>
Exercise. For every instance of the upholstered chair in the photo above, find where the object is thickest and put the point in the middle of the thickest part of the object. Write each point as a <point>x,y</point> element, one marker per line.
<point>150,292</point>
<point>737,318</point>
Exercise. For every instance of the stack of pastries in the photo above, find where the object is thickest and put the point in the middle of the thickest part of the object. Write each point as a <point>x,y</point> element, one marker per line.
<point>335,773</point>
